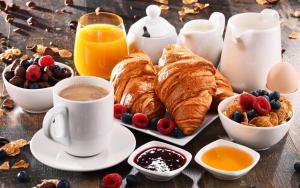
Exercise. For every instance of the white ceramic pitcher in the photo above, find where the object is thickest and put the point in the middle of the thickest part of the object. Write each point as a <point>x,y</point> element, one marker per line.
<point>204,37</point>
<point>252,45</point>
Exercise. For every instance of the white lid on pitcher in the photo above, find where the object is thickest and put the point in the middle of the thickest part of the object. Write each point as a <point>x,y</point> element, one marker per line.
<point>153,25</point>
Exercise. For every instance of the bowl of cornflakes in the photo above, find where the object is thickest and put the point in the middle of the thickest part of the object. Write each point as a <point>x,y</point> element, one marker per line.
<point>258,119</point>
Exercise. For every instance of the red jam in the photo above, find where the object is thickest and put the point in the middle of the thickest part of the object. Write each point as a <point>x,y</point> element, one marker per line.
<point>160,159</point>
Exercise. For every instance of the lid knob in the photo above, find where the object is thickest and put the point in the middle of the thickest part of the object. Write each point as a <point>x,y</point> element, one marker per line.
<point>153,11</point>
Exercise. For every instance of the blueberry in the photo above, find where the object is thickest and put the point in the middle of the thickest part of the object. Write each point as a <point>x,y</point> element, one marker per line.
<point>25,64</point>
<point>252,114</point>
<point>255,93</point>
<point>3,154</point>
<point>237,116</point>
<point>131,180</point>
<point>153,123</point>
<point>126,118</point>
<point>262,92</point>
<point>34,86</point>
<point>297,166</point>
<point>56,69</point>
<point>36,59</point>
<point>63,184</point>
<point>267,97</point>
<point>275,95</point>
<point>177,133</point>
<point>23,177</point>
<point>275,104</point>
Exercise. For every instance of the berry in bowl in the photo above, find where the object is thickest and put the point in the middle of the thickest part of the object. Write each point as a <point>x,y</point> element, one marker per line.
<point>159,161</point>
<point>29,82</point>
<point>258,119</point>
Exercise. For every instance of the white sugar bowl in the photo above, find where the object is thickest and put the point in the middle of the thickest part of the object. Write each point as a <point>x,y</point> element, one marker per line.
<point>151,34</point>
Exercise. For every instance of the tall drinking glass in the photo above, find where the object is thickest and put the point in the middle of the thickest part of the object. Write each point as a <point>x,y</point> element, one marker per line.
<point>100,44</point>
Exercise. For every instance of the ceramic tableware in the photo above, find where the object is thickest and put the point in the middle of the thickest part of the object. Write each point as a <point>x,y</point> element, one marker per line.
<point>224,174</point>
<point>252,45</point>
<point>209,118</point>
<point>204,37</point>
<point>159,176</point>
<point>31,100</point>
<point>85,126</point>
<point>258,138</point>
<point>151,34</point>
<point>53,154</point>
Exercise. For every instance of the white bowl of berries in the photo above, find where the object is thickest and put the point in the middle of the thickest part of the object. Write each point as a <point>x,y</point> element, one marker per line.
<point>29,82</point>
<point>258,119</point>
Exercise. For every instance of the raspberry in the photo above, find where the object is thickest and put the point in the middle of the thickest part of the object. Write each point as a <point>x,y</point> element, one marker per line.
<point>113,180</point>
<point>262,105</point>
<point>140,120</point>
<point>247,100</point>
<point>165,126</point>
<point>33,73</point>
<point>46,61</point>
<point>119,110</point>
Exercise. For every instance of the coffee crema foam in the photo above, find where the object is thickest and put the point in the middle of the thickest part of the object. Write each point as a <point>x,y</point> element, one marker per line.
<point>83,92</point>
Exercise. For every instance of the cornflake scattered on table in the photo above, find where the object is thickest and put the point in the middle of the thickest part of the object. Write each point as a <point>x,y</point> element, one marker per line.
<point>188,2</point>
<point>2,113</point>
<point>266,2</point>
<point>164,7</point>
<point>293,35</point>
<point>296,14</point>
<point>5,166</point>
<point>162,1</point>
<point>20,164</point>
<point>13,148</point>
<point>49,181</point>
<point>185,10</point>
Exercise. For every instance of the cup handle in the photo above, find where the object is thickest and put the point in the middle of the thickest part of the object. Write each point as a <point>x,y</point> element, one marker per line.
<point>218,19</point>
<point>50,116</point>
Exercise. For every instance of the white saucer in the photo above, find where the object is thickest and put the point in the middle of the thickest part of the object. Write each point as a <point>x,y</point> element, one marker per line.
<point>52,154</point>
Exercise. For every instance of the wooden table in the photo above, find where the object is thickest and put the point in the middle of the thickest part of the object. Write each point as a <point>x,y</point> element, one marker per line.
<point>275,169</point>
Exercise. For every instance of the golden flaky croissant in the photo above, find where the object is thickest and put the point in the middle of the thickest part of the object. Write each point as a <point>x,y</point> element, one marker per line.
<point>186,86</point>
<point>133,80</point>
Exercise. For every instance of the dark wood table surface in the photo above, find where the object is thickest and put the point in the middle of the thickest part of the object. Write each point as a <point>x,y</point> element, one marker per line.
<point>275,168</point>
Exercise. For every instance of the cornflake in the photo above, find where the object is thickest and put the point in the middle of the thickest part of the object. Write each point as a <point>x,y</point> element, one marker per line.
<point>13,148</point>
<point>5,166</point>
<point>2,113</point>
<point>262,2</point>
<point>164,7</point>
<point>293,35</point>
<point>200,6</point>
<point>20,164</point>
<point>166,2</point>
<point>54,181</point>
<point>188,2</point>
<point>65,53</point>
<point>296,14</point>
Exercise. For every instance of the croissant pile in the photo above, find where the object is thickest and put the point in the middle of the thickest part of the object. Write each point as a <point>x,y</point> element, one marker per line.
<point>187,85</point>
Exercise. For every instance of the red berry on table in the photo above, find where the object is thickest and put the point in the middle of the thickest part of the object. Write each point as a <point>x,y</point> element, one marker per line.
<point>113,180</point>
<point>33,73</point>
<point>165,126</point>
<point>262,105</point>
<point>119,110</point>
<point>46,61</point>
<point>140,120</point>
<point>247,100</point>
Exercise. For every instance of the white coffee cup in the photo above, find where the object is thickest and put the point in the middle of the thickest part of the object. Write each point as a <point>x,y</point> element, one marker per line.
<point>82,127</point>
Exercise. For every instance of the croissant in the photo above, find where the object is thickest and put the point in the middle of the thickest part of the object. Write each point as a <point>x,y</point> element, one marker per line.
<point>173,53</point>
<point>133,79</point>
<point>186,85</point>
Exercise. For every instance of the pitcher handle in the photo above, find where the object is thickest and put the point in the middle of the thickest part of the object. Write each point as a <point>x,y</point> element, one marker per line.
<point>218,19</point>
<point>271,12</point>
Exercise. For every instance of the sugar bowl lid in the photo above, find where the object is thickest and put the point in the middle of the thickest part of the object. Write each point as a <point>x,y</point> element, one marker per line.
<point>153,25</point>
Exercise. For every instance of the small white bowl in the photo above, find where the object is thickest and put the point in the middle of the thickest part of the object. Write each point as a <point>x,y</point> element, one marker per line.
<point>159,176</point>
<point>223,174</point>
<point>258,138</point>
<point>32,100</point>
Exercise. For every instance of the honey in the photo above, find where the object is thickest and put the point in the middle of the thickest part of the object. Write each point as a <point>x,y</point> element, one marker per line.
<point>227,158</point>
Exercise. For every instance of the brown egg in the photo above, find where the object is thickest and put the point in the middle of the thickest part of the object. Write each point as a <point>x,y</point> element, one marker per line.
<point>283,78</point>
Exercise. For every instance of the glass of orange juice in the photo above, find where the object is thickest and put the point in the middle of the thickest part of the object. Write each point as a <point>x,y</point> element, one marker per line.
<point>100,44</point>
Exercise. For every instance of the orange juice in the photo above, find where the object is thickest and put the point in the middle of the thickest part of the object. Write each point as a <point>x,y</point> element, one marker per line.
<point>227,158</point>
<point>98,48</point>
